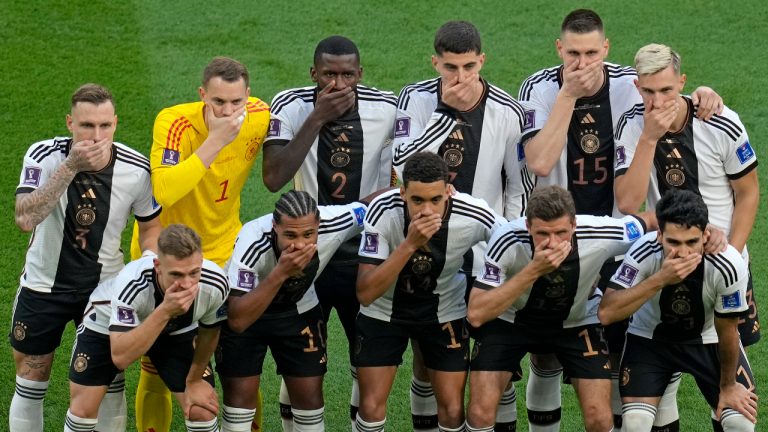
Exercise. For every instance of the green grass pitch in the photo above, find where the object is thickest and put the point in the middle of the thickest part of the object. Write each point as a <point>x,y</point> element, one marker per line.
<point>151,54</point>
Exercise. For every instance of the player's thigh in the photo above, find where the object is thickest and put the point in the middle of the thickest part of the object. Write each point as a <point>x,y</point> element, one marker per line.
<point>499,347</point>
<point>241,355</point>
<point>444,346</point>
<point>594,396</point>
<point>378,343</point>
<point>646,369</point>
<point>172,356</point>
<point>375,384</point>
<point>306,393</point>
<point>298,344</point>
<point>449,389</point>
<point>91,370</point>
<point>704,365</point>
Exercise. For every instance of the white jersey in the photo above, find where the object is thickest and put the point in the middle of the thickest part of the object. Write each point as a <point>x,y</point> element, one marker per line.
<point>122,303</point>
<point>430,288</point>
<point>685,312</point>
<point>78,244</point>
<point>351,157</point>
<point>703,158</point>
<point>256,255</point>
<point>565,297</point>
<point>586,164</point>
<point>481,146</point>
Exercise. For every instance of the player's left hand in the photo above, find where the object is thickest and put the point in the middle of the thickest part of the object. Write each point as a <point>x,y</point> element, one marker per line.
<point>199,393</point>
<point>708,102</point>
<point>716,240</point>
<point>738,397</point>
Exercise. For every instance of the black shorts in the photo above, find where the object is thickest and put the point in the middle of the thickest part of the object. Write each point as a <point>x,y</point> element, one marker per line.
<point>297,344</point>
<point>749,324</point>
<point>445,347</point>
<point>500,345</point>
<point>335,288</point>
<point>39,319</point>
<point>647,366</point>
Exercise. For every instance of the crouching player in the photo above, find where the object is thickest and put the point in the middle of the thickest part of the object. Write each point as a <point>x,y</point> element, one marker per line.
<point>686,308</point>
<point>168,307</point>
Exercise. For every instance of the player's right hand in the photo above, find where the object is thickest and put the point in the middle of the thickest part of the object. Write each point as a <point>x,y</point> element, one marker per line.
<point>460,95</point>
<point>224,129</point>
<point>738,397</point>
<point>658,119</point>
<point>675,268</point>
<point>546,259</point>
<point>293,260</point>
<point>579,83</point>
<point>178,299</point>
<point>422,228</point>
<point>89,155</point>
<point>332,104</point>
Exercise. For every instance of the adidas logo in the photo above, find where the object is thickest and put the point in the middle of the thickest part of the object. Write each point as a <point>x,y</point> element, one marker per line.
<point>588,119</point>
<point>89,194</point>
<point>675,154</point>
<point>342,138</point>
<point>457,135</point>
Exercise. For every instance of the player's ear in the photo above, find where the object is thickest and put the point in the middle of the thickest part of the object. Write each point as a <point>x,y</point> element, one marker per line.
<point>402,190</point>
<point>683,78</point>
<point>313,74</point>
<point>361,73</point>
<point>247,93</point>
<point>434,61</point>
<point>559,49</point>
<point>607,47</point>
<point>69,122</point>
<point>201,92</point>
<point>482,59</point>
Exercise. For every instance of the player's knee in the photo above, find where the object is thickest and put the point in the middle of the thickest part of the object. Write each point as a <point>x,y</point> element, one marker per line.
<point>452,412</point>
<point>597,420</point>
<point>480,415</point>
<point>371,410</point>
<point>198,413</point>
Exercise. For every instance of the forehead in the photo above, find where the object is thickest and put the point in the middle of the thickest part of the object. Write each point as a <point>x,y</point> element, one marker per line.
<point>664,77</point>
<point>172,263</point>
<point>425,190</point>
<point>337,61</point>
<point>298,224</point>
<point>87,110</point>
<point>559,224</point>
<point>458,59</point>
<point>679,232</point>
<point>218,87</point>
<point>572,40</point>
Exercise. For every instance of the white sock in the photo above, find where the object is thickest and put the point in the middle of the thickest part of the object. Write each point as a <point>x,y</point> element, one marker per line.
<point>113,411</point>
<point>364,426</point>
<point>236,419</point>
<point>506,414</point>
<point>73,423</point>
<point>461,428</point>
<point>26,411</point>
<point>423,406</point>
<point>666,412</point>
<point>734,421</point>
<point>354,398</point>
<point>616,404</point>
<point>637,417</point>
<point>286,416</point>
<point>202,425</point>
<point>308,420</point>
<point>543,400</point>
<point>483,429</point>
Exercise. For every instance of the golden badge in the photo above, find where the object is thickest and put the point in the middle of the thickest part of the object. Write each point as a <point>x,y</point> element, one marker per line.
<point>421,265</point>
<point>86,215</point>
<point>81,362</point>
<point>250,152</point>
<point>19,331</point>
<point>453,155</point>
<point>625,376</point>
<point>675,177</point>
<point>340,157</point>
<point>589,142</point>
<point>681,306</point>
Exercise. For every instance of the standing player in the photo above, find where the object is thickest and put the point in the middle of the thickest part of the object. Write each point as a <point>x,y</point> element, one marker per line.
<point>476,128</point>
<point>202,154</point>
<point>168,307</point>
<point>334,140</point>
<point>686,308</point>
<point>76,194</point>
<point>273,305</point>
<point>569,143</point>
<point>410,287</point>
<point>537,295</point>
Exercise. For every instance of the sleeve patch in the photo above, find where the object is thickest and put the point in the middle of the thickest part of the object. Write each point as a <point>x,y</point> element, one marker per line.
<point>621,156</point>
<point>222,310</point>
<point>245,279</point>
<point>403,127</point>
<point>745,152</point>
<point>359,215</point>
<point>371,244</point>
<point>126,315</point>
<point>627,274</point>
<point>731,301</point>
<point>632,230</point>
<point>274,128</point>
<point>520,151</point>
<point>32,176</point>
<point>170,157</point>
<point>530,120</point>
<point>491,273</point>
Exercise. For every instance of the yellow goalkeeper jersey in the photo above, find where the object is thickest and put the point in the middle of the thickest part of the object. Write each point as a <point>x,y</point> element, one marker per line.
<point>207,200</point>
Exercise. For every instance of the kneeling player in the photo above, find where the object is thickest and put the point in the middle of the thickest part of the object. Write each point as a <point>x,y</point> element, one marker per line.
<point>686,313</point>
<point>167,307</point>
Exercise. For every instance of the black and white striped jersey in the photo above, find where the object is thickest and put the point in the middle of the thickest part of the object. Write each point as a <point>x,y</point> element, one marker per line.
<point>586,164</point>
<point>430,288</point>
<point>685,312</point>
<point>480,146</point>
<point>122,303</point>
<point>703,157</point>
<point>256,255</point>
<point>78,244</point>
<point>351,157</point>
<point>566,297</point>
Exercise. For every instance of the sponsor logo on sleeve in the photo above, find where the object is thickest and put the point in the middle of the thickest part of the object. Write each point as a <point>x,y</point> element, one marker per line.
<point>621,156</point>
<point>731,301</point>
<point>402,127</point>
<point>371,244</point>
<point>170,157</point>
<point>632,230</point>
<point>530,119</point>
<point>155,204</point>
<point>126,315</point>
<point>359,215</point>
<point>32,176</point>
<point>274,128</point>
<point>491,273</point>
<point>745,152</point>
<point>627,274</point>
<point>521,150</point>
<point>245,279</point>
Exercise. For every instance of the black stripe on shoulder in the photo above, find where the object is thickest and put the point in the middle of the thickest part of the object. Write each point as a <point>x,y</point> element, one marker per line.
<point>475,211</point>
<point>134,287</point>
<point>376,95</point>
<point>725,267</point>
<point>338,223</point>
<point>504,242</point>
<point>216,280</point>
<point>616,71</point>
<point>428,86</point>
<point>306,94</point>
<point>132,158</point>
<point>254,252</point>
<point>549,74</point>
<point>441,127</point>
<point>643,251</point>
<point>44,150</point>
<point>726,125</point>
<point>381,206</point>
<point>636,110</point>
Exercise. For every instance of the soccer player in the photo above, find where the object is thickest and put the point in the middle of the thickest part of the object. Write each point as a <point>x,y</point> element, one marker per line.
<point>334,139</point>
<point>476,128</point>
<point>537,294</point>
<point>686,307</point>
<point>409,286</point>
<point>202,153</point>
<point>167,306</point>
<point>665,146</point>
<point>569,142</point>
<point>273,305</point>
<point>75,194</point>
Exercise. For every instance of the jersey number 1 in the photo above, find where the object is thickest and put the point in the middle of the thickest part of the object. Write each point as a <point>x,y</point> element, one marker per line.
<point>224,186</point>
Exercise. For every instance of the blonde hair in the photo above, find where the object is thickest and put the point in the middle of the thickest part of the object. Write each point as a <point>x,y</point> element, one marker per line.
<point>654,58</point>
